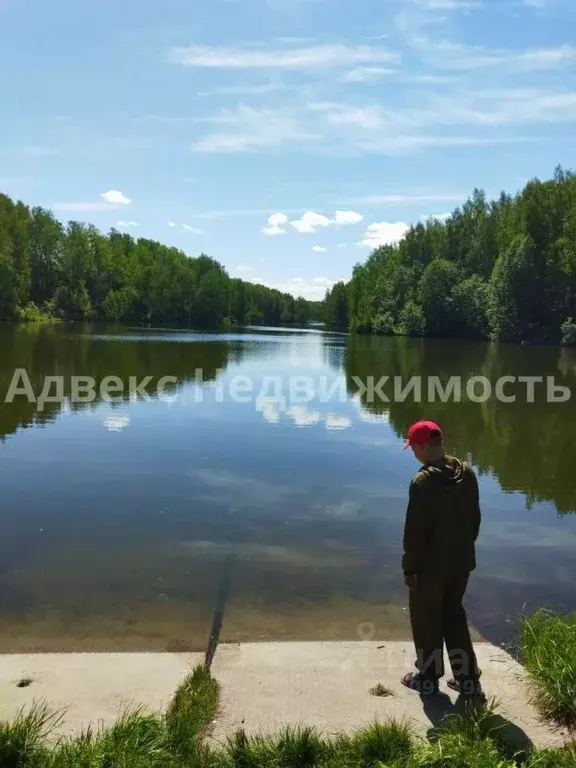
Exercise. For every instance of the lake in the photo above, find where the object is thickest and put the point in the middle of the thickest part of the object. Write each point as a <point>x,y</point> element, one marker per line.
<point>260,487</point>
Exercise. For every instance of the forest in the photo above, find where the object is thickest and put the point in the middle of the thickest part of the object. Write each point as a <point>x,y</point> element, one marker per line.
<point>502,270</point>
<point>74,272</point>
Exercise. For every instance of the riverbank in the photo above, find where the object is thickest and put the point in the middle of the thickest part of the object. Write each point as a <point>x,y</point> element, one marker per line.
<point>266,687</point>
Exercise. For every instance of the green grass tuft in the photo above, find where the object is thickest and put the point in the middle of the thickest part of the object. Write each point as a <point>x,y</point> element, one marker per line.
<point>299,748</point>
<point>242,751</point>
<point>192,711</point>
<point>553,758</point>
<point>23,741</point>
<point>136,740</point>
<point>388,743</point>
<point>453,750</point>
<point>548,643</point>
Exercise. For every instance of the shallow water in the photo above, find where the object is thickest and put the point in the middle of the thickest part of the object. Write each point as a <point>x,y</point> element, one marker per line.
<point>127,525</point>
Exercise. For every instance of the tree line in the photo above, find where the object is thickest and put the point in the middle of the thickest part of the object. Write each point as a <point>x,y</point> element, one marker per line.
<point>502,270</point>
<point>75,272</point>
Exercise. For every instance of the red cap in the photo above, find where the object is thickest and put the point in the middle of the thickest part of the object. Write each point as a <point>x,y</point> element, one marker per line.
<point>422,433</point>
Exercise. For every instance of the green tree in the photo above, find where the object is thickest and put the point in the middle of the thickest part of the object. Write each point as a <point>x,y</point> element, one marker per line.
<point>435,289</point>
<point>512,288</point>
<point>336,306</point>
<point>412,320</point>
<point>254,316</point>
<point>470,307</point>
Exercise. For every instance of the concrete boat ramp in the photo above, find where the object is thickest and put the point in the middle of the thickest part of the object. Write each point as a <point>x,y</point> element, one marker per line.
<point>266,686</point>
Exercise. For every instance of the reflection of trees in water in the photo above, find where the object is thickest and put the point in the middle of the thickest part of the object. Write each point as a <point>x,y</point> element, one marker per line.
<point>63,351</point>
<point>334,349</point>
<point>528,447</point>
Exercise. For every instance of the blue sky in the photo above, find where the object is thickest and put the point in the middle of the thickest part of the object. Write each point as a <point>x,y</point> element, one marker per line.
<point>284,138</point>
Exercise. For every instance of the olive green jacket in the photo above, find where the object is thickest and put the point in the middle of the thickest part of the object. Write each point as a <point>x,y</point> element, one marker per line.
<point>443,519</point>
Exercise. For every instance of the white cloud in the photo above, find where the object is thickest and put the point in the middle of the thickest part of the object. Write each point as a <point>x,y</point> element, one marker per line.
<point>437,118</point>
<point>313,57</point>
<point>243,268</point>
<point>193,230</point>
<point>127,224</point>
<point>115,197</point>
<point>366,74</point>
<point>39,150</point>
<point>278,219</point>
<point>384,233</point>
<point>544,57</point>
<point>513,106</point>
<point>309,222</point>
<point>342,218</point>
<point>375,128</point>
<point>370,117</point>
<point>319,249</point>
<point>171,223</point>
<point>313,289</point>
<point>444,54</point>
<point>251,130</point>
<point>276,224</point>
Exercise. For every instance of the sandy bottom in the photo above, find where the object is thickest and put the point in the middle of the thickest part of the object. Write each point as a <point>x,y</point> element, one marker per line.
<point>180,628</point>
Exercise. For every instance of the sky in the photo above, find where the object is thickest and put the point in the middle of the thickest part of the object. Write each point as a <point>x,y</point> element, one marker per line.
<point>284,138</point>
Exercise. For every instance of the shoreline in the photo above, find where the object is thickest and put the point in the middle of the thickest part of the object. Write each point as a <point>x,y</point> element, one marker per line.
<point>182,630</point>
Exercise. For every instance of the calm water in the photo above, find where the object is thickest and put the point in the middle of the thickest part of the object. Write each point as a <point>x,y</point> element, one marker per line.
<point>124,526</point>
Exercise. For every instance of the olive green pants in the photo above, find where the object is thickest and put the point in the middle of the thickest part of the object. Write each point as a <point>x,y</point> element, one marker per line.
<point>437,616</point>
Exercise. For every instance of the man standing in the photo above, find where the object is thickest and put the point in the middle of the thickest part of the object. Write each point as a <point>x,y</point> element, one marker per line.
<point>442,525</point>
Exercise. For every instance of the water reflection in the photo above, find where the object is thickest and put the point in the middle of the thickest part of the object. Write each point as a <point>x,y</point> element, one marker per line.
<point>70,351</point>
<point>527,447</point>
<point>120,519</point>
<point>116,422</point>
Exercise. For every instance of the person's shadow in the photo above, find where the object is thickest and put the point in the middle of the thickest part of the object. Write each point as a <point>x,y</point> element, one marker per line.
<point>440,709</point>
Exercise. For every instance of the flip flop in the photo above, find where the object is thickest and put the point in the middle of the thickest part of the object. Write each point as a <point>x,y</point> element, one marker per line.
<point>417,683</point>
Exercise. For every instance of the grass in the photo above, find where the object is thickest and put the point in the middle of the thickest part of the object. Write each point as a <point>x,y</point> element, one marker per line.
<point>192,710</point>
<point>136,740</point>
<point>177,740</point>
<point>548,644</point>
<point>381,690</point>
<point>22,742</point>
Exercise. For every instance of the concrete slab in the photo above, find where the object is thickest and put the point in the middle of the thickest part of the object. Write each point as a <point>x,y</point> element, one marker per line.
<point>265,686</point>
<point>91,688</point>
<point>327,684</point>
